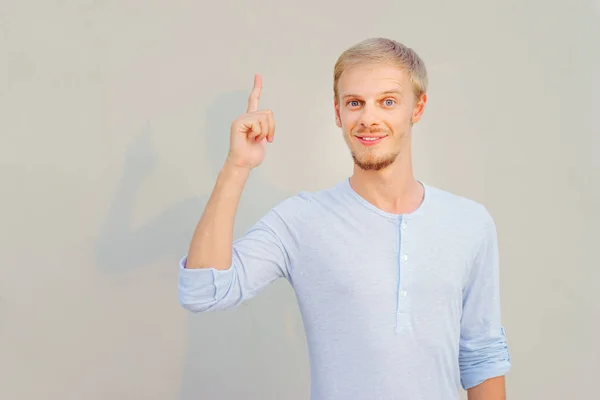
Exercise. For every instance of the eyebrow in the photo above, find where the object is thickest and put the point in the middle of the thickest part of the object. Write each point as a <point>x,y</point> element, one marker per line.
<point>397,92</point>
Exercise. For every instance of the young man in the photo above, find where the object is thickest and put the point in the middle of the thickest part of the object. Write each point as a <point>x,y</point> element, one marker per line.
<point>397,282</point>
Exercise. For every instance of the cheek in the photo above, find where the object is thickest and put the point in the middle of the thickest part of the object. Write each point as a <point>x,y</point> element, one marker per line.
<point>402,120</point>
<point>348,121</point>
<point>341,121</point>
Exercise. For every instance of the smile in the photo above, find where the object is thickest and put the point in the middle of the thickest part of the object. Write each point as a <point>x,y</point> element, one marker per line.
<point>370,140</point>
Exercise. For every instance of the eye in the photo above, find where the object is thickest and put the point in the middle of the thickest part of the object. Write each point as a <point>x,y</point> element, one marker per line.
<point>353,103</point>
<point>389,102</point>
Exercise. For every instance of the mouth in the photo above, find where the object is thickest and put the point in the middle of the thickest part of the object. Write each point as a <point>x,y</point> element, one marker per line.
<point>369,140</point>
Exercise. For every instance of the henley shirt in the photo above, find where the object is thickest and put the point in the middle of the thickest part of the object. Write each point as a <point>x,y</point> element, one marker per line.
<point>394,306</point>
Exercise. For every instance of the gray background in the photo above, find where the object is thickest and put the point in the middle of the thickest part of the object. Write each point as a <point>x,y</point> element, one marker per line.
<point>114,121</point>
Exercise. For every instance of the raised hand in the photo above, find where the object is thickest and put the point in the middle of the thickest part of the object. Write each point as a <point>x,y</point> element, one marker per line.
<point>251,131</point>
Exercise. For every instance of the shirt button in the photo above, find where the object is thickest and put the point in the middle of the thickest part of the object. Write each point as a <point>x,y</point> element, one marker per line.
<point>404,225</point>
<point>403,293</point>
<point>404,257</point>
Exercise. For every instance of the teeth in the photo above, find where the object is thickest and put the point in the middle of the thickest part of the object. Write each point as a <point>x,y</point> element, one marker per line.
<point>370,138</point>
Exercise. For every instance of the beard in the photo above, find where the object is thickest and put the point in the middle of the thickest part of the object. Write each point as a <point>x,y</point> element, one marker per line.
<point>366,159</point>
<point>369,162</point>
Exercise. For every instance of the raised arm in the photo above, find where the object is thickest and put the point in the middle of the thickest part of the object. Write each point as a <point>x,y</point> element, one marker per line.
<point>217,273</point>
<point>212,239</point>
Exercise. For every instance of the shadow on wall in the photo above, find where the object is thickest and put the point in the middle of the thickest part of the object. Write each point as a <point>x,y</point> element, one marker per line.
<point>256,351</point>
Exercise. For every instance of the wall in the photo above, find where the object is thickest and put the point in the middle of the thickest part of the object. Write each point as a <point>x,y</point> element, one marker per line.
<point>114,121</point>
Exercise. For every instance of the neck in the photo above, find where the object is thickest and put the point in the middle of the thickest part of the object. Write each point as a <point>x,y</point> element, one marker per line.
<point>393,189</point>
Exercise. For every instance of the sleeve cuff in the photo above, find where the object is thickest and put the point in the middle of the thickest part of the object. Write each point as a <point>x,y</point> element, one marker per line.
<point>201,285</point>
<point>476,378</point>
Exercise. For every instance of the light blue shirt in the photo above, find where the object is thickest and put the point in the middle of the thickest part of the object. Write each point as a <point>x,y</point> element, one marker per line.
<point>394,306</point>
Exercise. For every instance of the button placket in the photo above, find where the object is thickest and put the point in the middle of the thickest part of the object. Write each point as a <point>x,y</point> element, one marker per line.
<point>403,316</point>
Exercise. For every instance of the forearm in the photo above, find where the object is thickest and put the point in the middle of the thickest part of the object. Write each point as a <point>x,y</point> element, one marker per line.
<point>491,389</point>
<point>211,244</point>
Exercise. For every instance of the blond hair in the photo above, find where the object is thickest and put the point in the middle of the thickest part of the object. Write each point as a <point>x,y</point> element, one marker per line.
<point>383,50</point>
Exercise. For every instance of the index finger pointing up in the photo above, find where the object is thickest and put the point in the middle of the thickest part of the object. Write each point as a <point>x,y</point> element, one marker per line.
<point>255,94</point>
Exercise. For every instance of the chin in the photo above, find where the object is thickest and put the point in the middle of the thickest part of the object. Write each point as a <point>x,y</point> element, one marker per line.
<point>370,163</point>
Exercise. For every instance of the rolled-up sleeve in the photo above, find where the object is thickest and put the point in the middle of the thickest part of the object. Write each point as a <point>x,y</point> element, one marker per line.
<point>200,288</point>
<point>263,255</point>
<point>483,351</point>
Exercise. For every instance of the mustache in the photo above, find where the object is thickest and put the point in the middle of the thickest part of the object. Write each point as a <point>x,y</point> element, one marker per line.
<point>363,130</point>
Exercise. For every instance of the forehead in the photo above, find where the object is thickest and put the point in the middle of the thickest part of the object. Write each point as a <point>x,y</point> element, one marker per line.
<point>371,79</point>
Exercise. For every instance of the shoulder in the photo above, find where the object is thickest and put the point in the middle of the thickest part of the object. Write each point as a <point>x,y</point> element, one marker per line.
<point>308,202</point>
<point>460,209</point>
<point>466,221</point>
<point>300,203</point>
<point>292,217</point>
<point>306,206</point>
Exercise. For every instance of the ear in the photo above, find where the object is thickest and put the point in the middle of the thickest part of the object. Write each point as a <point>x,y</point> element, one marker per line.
<point>338,120</point>
<point>419,108</point>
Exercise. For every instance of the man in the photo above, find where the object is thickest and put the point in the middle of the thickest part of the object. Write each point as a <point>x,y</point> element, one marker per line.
<point>397,281</point>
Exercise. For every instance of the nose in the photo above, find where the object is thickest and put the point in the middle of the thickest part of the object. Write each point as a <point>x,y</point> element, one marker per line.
<point>368,116</point>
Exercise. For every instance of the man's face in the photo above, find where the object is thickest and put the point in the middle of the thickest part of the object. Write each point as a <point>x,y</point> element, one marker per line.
<point>376,108</point>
